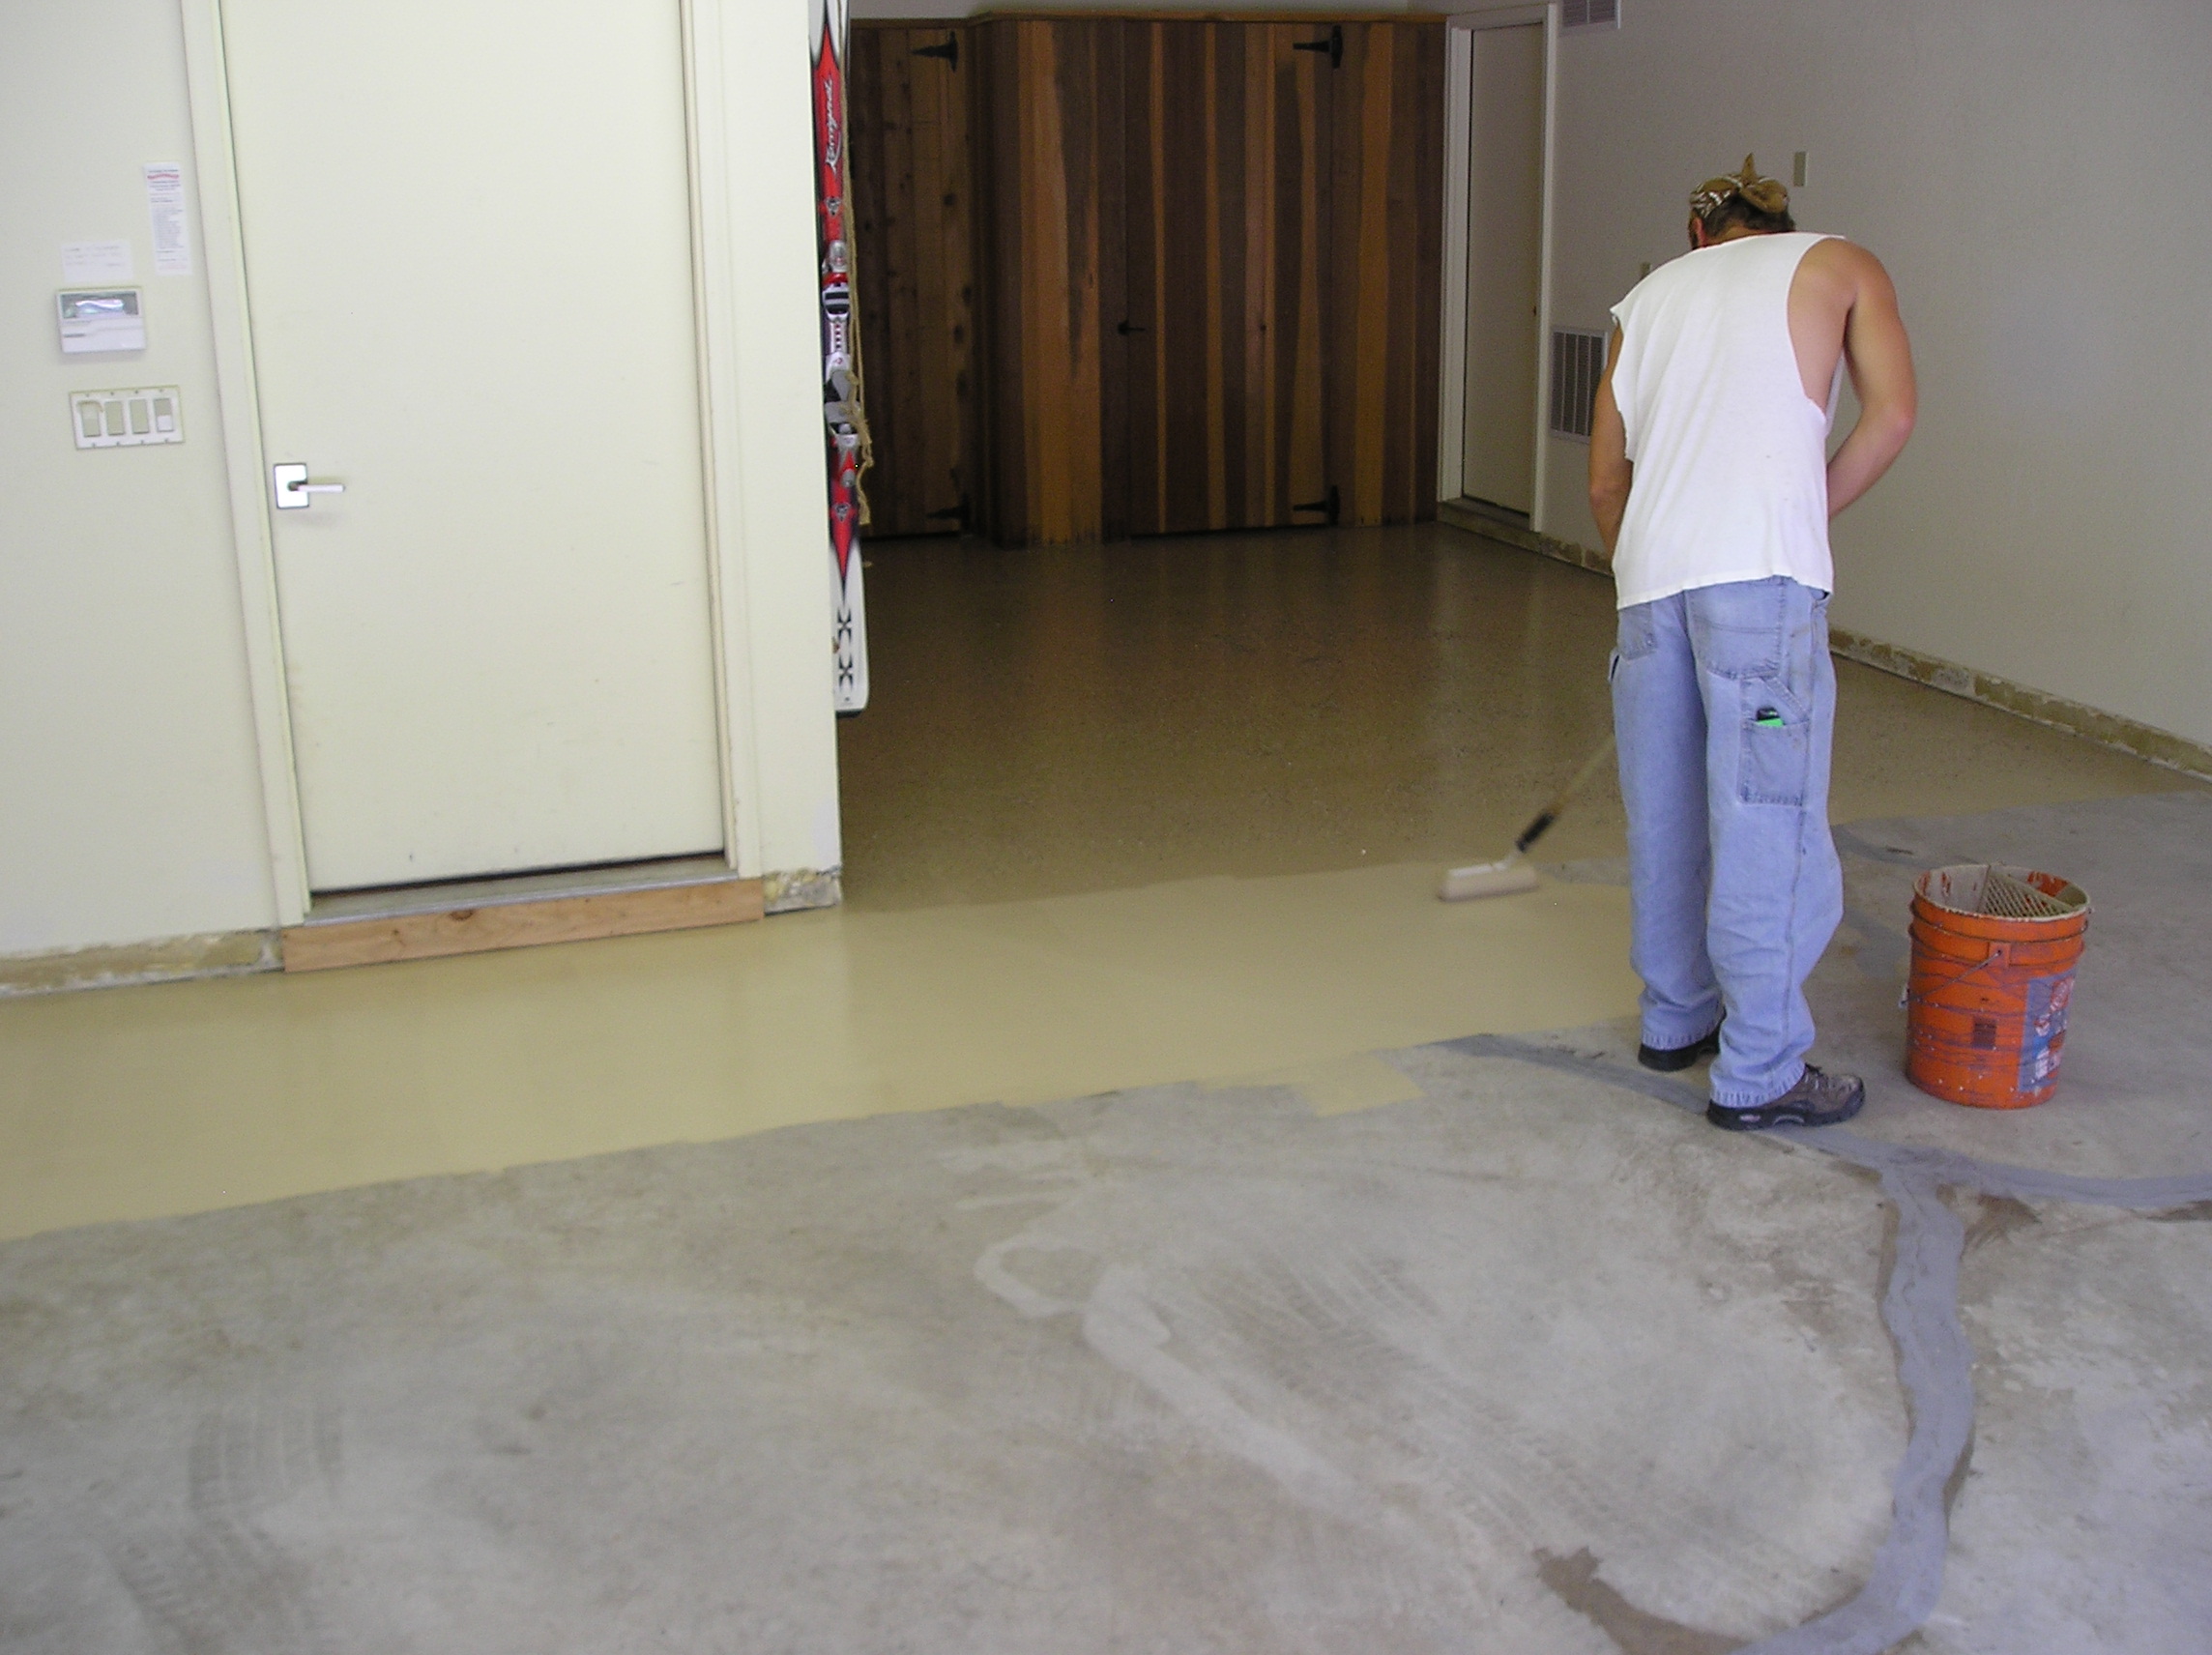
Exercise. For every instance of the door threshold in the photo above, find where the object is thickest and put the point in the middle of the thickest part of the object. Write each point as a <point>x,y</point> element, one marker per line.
<point>1504,514</point>
<point>519,911</point>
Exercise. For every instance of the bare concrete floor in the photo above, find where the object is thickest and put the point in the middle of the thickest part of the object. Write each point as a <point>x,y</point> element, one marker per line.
<point>1344,1286</point>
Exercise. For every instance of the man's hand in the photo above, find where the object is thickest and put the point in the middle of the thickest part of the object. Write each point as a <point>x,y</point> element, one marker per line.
<point>1611,475</point>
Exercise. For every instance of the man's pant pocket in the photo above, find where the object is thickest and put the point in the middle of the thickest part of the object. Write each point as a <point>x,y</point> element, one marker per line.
<point>1636,634</point>
<point>1775,761</point>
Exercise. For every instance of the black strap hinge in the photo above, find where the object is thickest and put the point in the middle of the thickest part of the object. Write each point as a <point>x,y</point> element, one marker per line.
<point>1334,45</point>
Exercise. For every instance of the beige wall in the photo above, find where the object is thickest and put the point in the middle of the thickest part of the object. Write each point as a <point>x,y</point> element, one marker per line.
<point>131,804</point>
<point>2037,174</point>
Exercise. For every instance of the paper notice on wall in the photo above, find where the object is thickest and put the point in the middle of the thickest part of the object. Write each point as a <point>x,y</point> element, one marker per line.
<point>93,264</point>
<point>166,203</point>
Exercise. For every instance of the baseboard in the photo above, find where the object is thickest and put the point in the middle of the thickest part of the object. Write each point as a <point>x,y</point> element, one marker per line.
<point>2092,724</point>
<point>524,920</point>
<point>167,959</point>
<point>1471,516</point>
<point>795,889</point>
<point>2105,729</point>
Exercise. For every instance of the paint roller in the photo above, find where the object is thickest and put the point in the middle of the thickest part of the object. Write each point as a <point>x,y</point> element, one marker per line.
<point>1512,874</point>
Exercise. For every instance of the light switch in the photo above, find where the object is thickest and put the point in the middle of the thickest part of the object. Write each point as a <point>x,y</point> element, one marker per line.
<point>127,418</point>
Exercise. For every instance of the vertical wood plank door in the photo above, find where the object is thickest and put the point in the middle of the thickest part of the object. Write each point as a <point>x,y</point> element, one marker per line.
<point>1385,239</point>
<point>1049,119</point>
<point>915,278</point>
<point>1227,175</point>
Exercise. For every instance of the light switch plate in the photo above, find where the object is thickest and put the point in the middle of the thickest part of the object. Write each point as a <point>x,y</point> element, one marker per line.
<point>135,418</point>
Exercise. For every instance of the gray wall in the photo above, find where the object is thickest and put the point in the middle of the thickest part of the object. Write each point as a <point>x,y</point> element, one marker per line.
<point>2037,175</point>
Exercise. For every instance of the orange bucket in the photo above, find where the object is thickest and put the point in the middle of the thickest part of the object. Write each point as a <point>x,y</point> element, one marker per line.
<point>1993,952</point>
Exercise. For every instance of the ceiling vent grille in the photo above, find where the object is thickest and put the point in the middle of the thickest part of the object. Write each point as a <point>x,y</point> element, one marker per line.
<point>1577,363</point>
<point>1589,13</point>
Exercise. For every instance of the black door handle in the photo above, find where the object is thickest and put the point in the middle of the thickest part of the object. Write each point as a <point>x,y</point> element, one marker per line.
<point>950,52</point>
<point>1125,328</point>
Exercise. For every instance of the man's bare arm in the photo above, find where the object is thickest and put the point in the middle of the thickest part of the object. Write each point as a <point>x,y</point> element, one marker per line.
<point>1611,475</point>
<point>1880,361</point>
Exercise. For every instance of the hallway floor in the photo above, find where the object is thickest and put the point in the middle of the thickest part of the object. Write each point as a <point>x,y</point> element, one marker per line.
<point>1344,1284</point>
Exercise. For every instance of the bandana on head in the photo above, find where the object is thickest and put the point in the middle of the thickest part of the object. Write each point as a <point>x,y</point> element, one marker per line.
<point>1764,193</point>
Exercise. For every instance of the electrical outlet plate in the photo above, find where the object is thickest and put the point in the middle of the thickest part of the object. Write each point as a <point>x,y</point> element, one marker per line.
<point>135,418</point>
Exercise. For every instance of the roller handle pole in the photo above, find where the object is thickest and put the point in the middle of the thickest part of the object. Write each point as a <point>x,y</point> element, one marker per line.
<point>1534,832</point>
<point>1550,814</point>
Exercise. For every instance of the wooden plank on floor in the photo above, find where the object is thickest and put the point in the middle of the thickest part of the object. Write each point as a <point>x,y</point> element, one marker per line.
<point>379,941</point>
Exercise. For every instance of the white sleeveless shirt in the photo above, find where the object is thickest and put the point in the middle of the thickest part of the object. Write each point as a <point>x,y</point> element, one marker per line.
<point>1730,455</point>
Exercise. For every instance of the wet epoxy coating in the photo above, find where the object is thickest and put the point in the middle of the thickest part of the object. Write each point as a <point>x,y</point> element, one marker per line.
<point>1090,717</point>
<point>1118,815</point>
<point>215,1093</point>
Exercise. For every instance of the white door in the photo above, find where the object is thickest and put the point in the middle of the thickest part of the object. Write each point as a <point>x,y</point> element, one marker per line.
<point>468,255</point>
<point>1506,207</point>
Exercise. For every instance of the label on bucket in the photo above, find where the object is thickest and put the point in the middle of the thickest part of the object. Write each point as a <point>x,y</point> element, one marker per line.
<point>2044,1031</point>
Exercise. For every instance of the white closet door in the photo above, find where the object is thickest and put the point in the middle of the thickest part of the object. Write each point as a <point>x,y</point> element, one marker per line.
<point>468,250</point>
<point>1506,207</point>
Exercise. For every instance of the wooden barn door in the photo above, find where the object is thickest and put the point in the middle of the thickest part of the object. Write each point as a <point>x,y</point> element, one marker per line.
<point>915,281</point>
<point>1227,195</point>
<point>1196,285</point>
<point>1387,135</point>
<point>1049,126</point>
<point>1284,246</point>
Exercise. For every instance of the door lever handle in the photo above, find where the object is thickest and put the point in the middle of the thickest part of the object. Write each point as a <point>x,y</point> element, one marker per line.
<point>293,486</point>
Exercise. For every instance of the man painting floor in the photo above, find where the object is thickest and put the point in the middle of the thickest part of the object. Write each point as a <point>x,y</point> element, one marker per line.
<point>1712,488</point>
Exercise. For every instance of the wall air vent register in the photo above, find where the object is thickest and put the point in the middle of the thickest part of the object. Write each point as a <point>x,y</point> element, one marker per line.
<point>1577,363</point>
<point>1589,13</point>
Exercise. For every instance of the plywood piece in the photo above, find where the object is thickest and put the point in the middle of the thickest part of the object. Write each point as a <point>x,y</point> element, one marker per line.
<point>322,946</point>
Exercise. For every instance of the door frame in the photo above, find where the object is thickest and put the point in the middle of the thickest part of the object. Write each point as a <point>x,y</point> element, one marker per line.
<point>713,50</point>
<point>1460,31</point>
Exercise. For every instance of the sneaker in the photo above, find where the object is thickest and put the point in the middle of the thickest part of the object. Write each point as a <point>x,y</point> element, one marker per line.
<point>1816,1100</point>
<point>1668,1058</point>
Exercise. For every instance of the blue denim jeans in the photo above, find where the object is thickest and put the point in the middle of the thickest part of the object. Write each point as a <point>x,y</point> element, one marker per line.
<point>1724,701</point>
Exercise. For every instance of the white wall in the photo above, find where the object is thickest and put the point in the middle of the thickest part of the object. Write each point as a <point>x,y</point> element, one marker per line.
<point>2037,175</point>
<point>131,804</point>
<point>778,525</point>
<point>968,8</point>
